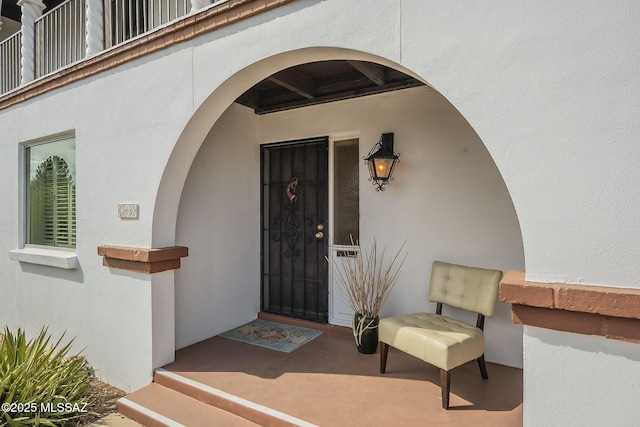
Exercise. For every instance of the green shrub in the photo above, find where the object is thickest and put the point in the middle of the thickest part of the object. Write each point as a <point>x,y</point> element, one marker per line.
<point>41,380</point>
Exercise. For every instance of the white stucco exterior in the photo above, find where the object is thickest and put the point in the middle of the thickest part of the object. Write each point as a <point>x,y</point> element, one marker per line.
<point>551,90</point>
<point>553,363</point>
<point>218,287</point>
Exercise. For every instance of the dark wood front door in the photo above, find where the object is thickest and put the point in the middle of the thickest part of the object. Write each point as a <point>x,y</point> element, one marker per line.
<point>294,228</point>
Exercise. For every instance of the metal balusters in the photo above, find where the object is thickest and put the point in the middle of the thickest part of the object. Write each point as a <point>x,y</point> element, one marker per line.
<point>10,63</point>
<point>125,19</point>
<point>60,37</point>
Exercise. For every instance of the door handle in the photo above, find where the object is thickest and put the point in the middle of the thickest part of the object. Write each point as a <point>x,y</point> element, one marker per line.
<point>319,235</point>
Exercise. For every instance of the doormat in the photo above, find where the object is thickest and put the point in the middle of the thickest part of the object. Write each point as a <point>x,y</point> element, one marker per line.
<point>274,336</point>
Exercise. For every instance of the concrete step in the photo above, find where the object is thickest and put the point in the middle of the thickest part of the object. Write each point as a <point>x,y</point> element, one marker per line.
<point>173,400</point>
<point>158,406</point>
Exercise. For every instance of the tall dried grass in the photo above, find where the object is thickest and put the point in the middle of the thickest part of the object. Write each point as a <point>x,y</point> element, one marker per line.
<point>366,280</point>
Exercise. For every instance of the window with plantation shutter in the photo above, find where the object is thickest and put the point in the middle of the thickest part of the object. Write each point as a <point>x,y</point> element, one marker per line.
<point>51,201</point>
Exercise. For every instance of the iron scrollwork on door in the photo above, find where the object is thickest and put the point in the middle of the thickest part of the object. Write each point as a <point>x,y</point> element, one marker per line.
<point>294,204</point>
<point>291,225</point>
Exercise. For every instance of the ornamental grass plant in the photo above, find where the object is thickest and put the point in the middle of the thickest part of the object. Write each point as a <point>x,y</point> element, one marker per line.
<point>40,384</point>
<point>365,281</point>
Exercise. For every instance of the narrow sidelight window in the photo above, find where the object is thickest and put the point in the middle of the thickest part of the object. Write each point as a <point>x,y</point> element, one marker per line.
<point>51,193</point>
<point>346,194</point>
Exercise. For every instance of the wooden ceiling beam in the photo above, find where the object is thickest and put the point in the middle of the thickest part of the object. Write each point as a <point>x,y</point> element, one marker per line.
<point>295,81</point>
<point>373,72</point>
<point>249,99</point>
<point>405,84</point>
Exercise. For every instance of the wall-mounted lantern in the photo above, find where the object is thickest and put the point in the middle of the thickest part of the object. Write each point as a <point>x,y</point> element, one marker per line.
<point>381,160</point>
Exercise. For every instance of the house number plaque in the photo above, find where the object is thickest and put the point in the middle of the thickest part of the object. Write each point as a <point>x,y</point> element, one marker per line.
<point>128,210</point>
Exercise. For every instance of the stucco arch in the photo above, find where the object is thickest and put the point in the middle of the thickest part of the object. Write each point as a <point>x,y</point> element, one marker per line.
<point>187,145</point>
<point>205,122</point>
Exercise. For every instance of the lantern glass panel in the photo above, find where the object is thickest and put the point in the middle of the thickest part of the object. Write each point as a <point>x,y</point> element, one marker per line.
<point>372,168</point>
<point>382,168</point>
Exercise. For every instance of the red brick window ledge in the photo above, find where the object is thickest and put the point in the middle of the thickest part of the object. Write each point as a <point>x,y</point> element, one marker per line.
<point>591,310</point>
<point>142,260</point>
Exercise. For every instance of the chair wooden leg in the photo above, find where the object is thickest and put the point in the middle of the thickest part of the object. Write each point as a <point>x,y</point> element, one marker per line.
<point>445,382</point>
<point>483,367</point>
<point>384,351</point>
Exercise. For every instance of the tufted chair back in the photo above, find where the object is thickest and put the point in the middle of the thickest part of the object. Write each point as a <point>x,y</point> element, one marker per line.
<point>469,288</point>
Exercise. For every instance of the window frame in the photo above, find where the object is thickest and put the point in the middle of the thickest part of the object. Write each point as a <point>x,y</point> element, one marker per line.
<point>339,312</point>
<point>55,256</point>
<point>333,195</point>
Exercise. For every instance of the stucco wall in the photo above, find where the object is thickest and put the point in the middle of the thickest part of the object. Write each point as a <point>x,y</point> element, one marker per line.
<point>218,286</point>
<point>115,315</point>
<point>552,90</point>
<point>569,384</point>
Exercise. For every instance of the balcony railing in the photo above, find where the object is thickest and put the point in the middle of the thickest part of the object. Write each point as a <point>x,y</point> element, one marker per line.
<point>125,19</point>
<point>10,63</point>
<point>60,37</point>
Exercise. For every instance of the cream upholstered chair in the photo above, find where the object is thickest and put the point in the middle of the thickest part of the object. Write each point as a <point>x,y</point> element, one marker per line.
<point>440,340</point>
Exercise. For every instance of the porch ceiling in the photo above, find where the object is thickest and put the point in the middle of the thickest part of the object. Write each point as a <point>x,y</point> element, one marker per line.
<point>322,82</point>
<point>12,10</point>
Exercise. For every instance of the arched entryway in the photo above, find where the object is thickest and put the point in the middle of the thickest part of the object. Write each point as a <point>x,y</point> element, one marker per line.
<point>448,198</point>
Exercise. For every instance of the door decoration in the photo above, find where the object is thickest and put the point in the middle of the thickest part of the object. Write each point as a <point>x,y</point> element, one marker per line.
<point>291,190</point>
<point>291,226</point>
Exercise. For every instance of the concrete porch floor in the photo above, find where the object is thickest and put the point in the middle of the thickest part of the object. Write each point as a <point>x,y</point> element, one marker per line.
<point>328,383</point>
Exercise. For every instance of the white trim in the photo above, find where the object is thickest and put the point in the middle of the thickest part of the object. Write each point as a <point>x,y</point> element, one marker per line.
<point>337,314</point>
<point>60,136</point>
<point>54,257</point>
<point>340,313</point>
<point>235,399</point>
<point>148,412</point>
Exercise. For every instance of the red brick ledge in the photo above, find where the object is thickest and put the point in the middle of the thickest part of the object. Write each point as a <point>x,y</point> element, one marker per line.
<point>185,29</point>
<point>590,310</point>
<point>142,260</point>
